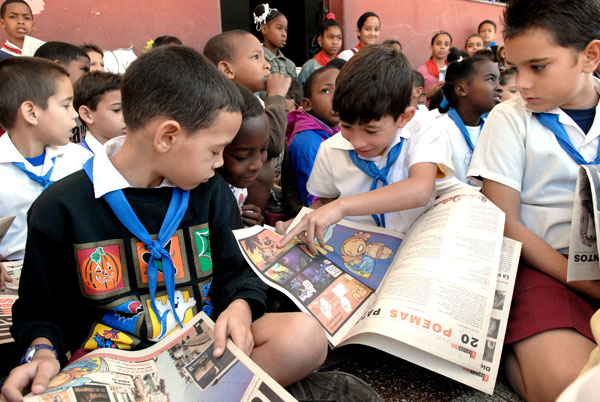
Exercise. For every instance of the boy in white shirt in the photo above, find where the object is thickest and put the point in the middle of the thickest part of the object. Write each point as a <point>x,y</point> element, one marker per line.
<point>17,19</point>
<point>529,155</point>
<point>36,108</point>
<point>372,97</point>
<point>98,102</point>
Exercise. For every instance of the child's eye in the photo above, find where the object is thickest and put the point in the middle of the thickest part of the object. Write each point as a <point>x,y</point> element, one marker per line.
<point>371,132</point>
<point>538,68</point>
<point>116,110</point>
<point>326,91</point>
<point>85,69</point>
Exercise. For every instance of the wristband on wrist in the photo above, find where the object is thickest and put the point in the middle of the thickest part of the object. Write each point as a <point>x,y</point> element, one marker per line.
<point>31,351</point>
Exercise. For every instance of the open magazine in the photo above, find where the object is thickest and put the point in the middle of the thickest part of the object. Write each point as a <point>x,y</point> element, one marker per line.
<point>7,299</point>
<point>181,367</point>
<point>438,297</point>
<point>583,247</point>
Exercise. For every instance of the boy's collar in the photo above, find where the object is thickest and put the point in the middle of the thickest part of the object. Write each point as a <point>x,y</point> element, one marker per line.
<point>106,177</point>
<point>341,143</point>
<point>9,152</point>
<point>11,48</point>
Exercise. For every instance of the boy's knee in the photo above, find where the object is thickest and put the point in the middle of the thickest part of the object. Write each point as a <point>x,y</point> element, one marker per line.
<point>307,332</point>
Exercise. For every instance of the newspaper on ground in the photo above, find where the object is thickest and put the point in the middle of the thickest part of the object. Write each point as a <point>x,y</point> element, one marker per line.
<point>438,296</point>
<point>181,368</point>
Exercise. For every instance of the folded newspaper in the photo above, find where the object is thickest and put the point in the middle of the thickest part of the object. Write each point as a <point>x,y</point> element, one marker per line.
<point>583,246</point>
<point>8,297</point>
<point>438,296</point>
<point>181,367</point>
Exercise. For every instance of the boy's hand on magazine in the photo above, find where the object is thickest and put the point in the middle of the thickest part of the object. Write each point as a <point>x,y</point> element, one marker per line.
<point>277,84</point>
<point>4,277</point>
<point>314,224</point>
<point>234,323</point>
<point>37,372</point>
<point>252,215</point>
<point>282,226</point>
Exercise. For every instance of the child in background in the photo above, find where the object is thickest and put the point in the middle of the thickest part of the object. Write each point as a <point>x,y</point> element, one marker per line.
<point>529,155</point>
<point>329,38</point>
<point>309,127</point>
<point>76,62</point>
<point>36,107</point>
<point>473,43</point>
<point>165,40</point>
<point>440,46</point>
<point>471,90</point>
<point>501,58</point>
<point>96,56</point>
<point>240,57</point>
<point>393,43</point>
<point>293,98</point>
<point>98,102</point>
<point>17,19</point>
<point>487,30</point>
<point>509,84</point>
<point>165,163</point>
<point>418,99</point>
<point>367,31</point>
<point>244,156</point>
<point>273,26</point>
<point>372,96</point>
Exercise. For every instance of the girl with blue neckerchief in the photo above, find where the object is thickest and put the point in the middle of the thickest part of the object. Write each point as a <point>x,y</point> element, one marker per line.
<point>471,89</point>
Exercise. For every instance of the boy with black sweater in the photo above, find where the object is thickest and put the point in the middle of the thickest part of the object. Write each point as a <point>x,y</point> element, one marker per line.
<point>145,227</point>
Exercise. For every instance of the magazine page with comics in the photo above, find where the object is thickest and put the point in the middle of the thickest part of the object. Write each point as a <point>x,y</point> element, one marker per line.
<point>438,296</point>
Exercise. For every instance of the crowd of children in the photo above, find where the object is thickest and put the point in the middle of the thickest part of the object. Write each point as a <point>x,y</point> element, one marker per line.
<point>187,144</point>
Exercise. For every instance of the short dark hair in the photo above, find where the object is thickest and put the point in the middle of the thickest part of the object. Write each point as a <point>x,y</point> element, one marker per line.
<point>90,47</point>
<point>166,40</point>
<point>62,51</point>
<point>222,47</point>
<point>573,24</point>
<point>455,54</point>
<point>459,70</point>
<point>392,42</point>
<point>7,2</point>
<point>251,106</point>
<point>418,79</point>
<point>88,90</point>
<point>179,83</point>
<point>295,92</point>
<point>323,26</point>
<point>310,81</point>
<point>487,53</point>
<point>26,79</point>
<point>507,75</point>
<point>363,18</point>
<point>438,33</point>
<point>376,82</point>
<point>339,63</point>
<point>492,23</point>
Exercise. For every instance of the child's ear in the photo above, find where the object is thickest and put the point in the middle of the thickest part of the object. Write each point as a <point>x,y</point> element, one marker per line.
<point>85,114</point>
<point>405,117</point>
<point>306,105</point>
<point>29,112</point>
<point>459,90</point>
<point>591,56</point>
<point>263,29</point>
<point>166,135</point>
<point>226,68</point>
<point>320,40</point>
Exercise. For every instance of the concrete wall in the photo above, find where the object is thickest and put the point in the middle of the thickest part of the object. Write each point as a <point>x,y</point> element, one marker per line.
<point>413,22</point>
<point>115,24</point>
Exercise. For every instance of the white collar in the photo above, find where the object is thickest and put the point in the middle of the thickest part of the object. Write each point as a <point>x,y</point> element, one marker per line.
<point>94,145</point>
<point>106,177</point>
<point>9,153</point>
<point>341,143</point>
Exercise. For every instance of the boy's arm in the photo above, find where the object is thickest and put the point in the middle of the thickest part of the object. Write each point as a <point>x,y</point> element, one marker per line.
<point>37,372</point>
<point>277,88</point>
<point>414,192</point>
<point>535,252</point>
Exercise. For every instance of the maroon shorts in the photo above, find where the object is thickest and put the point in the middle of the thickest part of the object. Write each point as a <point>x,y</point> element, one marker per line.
<point>541,303</point>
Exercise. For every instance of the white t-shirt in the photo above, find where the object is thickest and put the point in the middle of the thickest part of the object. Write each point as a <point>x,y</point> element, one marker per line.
<point>347,54</point>
<point>18,191</point>
<point>514,149</point>
<point>335,175</point>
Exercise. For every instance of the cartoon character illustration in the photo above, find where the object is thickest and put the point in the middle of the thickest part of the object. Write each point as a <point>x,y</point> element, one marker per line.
<point>106,339</point>
<point>325,308</point>
<point>124,316</point>
<point>264,245</point>
<point>302,288</point>
<point>360,256</point>
<point>101,271</point>
<point>326,248</point>
<point>279,273</point>
<point>165,314</point>
<point>340,291</point>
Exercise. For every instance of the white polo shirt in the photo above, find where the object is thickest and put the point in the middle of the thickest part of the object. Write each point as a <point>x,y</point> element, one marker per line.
<point>92,142</point>
<point>335,175</point>
<point>461,153</point>
<point>18,191</point>
<point>516,150</point>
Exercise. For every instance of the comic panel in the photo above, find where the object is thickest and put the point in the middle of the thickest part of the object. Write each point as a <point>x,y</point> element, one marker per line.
<point>262,250</point>
<point>333,307</point>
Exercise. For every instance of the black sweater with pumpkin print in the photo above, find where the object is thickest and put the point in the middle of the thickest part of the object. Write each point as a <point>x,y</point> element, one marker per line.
<point>84,281</point>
